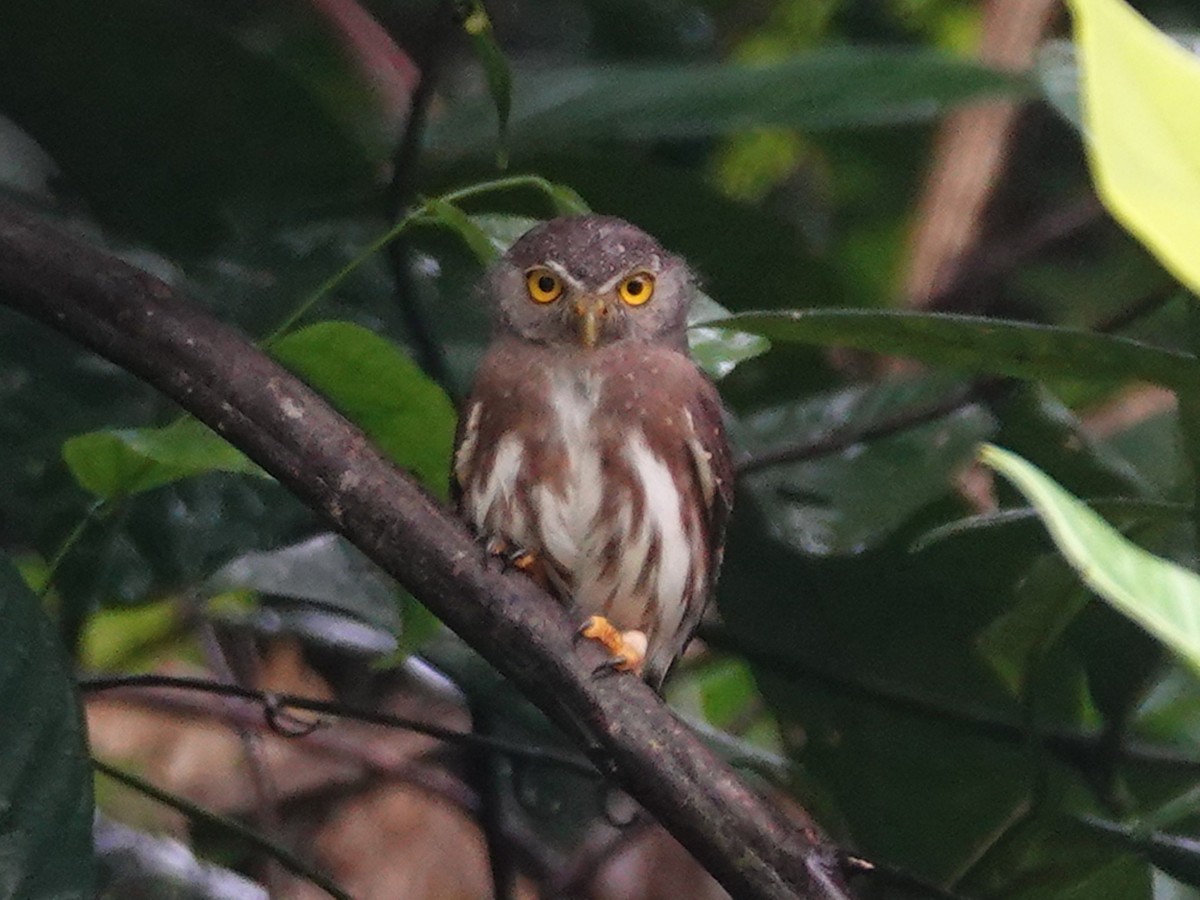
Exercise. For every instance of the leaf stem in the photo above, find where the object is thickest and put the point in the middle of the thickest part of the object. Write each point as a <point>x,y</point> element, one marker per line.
<point>274,703</point>
<point>419,214</point>
<point>1189,416</point>
<point>95,512</point>
<point>282,855</point>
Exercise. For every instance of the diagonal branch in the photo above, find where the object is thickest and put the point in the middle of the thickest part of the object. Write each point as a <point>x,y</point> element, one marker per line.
<point>142,324</point>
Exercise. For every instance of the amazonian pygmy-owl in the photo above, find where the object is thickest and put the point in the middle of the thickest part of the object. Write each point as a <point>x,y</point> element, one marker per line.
<point>591,450</point>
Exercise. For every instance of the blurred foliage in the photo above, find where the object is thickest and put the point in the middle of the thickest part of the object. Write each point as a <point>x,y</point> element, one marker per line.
<point>920,669</point>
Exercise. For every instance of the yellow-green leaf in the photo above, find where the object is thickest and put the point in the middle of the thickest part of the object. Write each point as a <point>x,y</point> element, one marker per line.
<point>1161,596</point>
<point>375,385</point>
<point>127,461</point>
<point>1142,124</point>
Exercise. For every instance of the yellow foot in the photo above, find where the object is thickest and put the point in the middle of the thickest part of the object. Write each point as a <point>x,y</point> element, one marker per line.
<point>510,555</point>
<point>628,648</point>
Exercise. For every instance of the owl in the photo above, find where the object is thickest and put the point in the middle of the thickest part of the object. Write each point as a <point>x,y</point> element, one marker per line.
<point>591,451</point>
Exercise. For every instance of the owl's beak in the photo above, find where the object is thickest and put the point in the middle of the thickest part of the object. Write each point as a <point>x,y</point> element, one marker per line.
<point>591,312</point>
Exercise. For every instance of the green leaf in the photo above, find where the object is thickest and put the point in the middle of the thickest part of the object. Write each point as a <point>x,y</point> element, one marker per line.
<point>1175,854</point>
<point>976,343</point>
<point>381,390</point>
<point>45,776</point>
<point>1161,596</point>
<point>131,638</point>
<point>325,586</point>
<point>1142,127</point>
<point>1048,599</point>
<point>502,230</point>
<point>844,87</point>
<point>715,349</point>
<point>845,500</point>
<point>118,463</point>
<point>475,237</point>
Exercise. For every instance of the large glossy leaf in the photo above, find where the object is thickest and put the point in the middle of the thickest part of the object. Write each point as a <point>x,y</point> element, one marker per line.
<point>717,350</point>
<point>51,389</point>
<point>1020,349</point>
<point>323,587</point>
<point>1142,126</point>
<point>1161,596</point>
<point>845,633</point>
<point>848,499</point>
<point>170,537</point>
<point>380,389</point>
<point>45,774</point>
<point>117,463</point>
<point>834,88</point>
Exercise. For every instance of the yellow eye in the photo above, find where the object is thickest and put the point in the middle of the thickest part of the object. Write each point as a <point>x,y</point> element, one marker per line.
<point>637,289</point>
<point>543,285</point>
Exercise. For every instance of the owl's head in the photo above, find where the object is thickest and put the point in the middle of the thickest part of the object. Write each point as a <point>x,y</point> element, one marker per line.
<point>587,281</point>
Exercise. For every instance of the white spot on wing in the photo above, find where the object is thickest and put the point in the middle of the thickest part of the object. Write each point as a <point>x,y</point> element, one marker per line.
<point>499,484</point>
<point>664,518</point>
<point>464,457</point>
<point>703,460</point>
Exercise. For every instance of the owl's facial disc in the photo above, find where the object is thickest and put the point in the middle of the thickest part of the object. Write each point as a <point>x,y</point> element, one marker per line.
<point>586,282</point>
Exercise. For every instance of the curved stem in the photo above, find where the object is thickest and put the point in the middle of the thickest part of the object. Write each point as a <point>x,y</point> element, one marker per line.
<point>283,856</point>
<point>274,703</point>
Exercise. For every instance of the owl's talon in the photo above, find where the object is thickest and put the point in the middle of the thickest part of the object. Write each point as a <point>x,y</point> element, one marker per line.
<point>628,648</point>
<point>521,560</point>
<point>510,557</point>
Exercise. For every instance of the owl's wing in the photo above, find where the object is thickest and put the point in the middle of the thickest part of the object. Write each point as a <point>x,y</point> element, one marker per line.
<point>466,436</point>
<point>712,462</point>
<point>711,465</point>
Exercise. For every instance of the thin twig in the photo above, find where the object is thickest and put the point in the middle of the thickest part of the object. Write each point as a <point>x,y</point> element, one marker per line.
<point>1080,749</point>
<point>846,437</point>
<point>402,188</point>
<point>401,191</point>
<point>431,777</point>
<point>597,851</point>
<point>266,794</point>
<point>282,855</point>
<point>487,778</point>
<point>329,708</point>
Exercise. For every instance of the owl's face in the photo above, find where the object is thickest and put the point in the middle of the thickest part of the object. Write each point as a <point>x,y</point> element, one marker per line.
<point>587,281</point>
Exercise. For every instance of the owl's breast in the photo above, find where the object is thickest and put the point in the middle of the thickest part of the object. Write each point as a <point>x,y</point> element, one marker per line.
<point>586,478</point>
<point>536,478</point>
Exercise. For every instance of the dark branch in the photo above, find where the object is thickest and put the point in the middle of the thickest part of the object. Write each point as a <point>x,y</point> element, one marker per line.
<point>400,192</point>
<point>141,323</point>
<point>1083,750</point>
<point>847,436</point>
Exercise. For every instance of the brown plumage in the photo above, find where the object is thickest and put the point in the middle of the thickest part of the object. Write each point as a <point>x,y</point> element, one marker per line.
<point>592,442</point>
